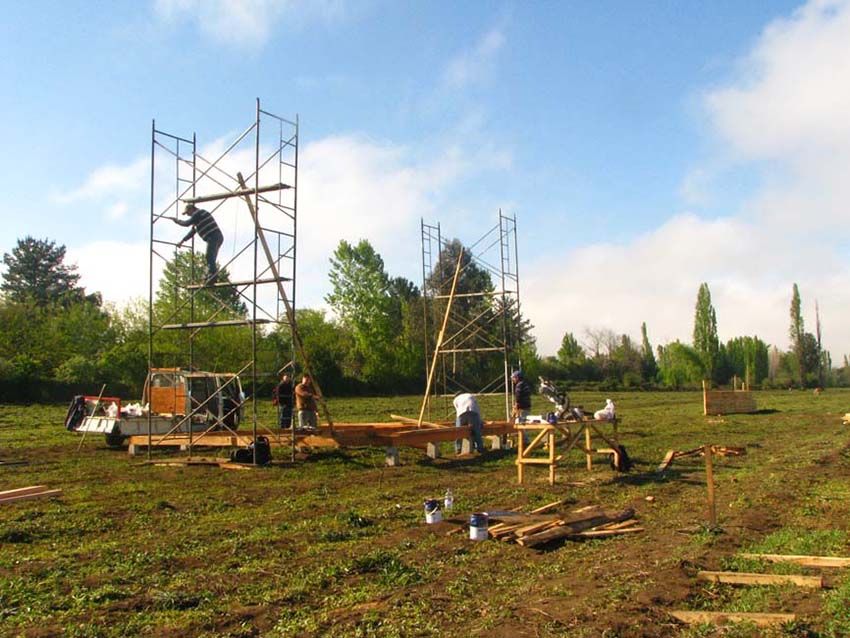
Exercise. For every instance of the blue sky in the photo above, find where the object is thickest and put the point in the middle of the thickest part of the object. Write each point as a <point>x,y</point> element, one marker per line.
<point>644,147</point>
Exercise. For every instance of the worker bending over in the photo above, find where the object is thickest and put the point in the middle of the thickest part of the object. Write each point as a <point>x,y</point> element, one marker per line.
<point>468,413</point>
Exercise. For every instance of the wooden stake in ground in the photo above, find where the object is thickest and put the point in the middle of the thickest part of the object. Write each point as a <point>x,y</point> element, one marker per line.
<point>439,343</point>
<point>709,479</point>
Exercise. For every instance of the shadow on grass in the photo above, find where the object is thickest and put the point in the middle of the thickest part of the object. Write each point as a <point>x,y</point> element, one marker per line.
<point>452,461</point>
<point>652,477</point>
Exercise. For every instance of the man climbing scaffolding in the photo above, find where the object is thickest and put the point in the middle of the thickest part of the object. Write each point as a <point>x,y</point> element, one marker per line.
<point>203,223</point>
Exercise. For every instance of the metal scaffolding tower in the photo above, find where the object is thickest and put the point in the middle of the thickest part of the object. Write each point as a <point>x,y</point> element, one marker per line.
<point>483,330</point>
<point>254,291</point>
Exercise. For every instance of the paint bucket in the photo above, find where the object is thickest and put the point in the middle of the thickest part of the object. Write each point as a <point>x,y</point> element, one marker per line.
<point>432,511</point>
<point>478,527</point>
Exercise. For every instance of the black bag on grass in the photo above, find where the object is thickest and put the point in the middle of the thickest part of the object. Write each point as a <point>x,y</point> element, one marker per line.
<point>246,454</point>
<point>621,461</point>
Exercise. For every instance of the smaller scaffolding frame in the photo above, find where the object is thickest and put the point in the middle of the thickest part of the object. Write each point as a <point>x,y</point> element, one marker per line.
<point>492,331</point>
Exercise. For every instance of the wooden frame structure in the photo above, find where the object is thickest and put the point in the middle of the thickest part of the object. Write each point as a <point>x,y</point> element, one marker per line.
<point>548,436</point>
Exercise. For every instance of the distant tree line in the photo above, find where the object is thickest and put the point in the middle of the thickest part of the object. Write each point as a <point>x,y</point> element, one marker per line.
<point>55,338</point>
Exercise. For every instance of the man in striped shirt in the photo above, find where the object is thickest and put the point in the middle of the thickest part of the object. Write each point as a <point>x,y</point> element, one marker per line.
<point>203,223</point>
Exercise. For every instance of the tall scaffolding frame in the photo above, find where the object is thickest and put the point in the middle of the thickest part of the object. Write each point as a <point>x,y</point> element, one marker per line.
<point>483,322</point>
<point>255,285</point>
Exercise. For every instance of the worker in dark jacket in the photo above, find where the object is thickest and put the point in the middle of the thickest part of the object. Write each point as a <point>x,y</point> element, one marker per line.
<point>202,222</point>
<point>522,400</point>
<point>522,396</point>
<point>282,398</point>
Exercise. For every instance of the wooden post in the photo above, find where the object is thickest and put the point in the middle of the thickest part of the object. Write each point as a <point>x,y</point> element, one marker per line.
<point>551,455</point>
<point>520,450</point>
<point>587,443</point>
<point>290,313</point>
<point>709,479</point>
<point>704,398</point>
<point>439,343</point>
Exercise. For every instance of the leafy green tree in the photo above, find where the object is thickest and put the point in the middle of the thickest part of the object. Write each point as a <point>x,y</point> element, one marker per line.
<point>748,358</point>
<point>330,348</point>
<point>680,365</point>
<point>361,299</point>
<point>570,350</point>
<point>706,342</point>
<point>626,363</point>
<point>796,332</point>
<point>218,349</point>
<point>649,366</point>
<point>36,270</point>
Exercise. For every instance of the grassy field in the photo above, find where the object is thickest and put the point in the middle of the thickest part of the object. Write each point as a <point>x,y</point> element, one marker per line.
<point>336,544</point>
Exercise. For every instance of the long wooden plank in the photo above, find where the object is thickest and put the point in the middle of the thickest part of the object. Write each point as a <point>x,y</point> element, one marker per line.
<point>427,424</point>
<point>722,617</point>
<point>23,497</point>
<point>549,506</point>
<point>744,578</point>
<point>23,490</point>
<point>805,561</point>
<point>602,533</point>
<point>440,336</point>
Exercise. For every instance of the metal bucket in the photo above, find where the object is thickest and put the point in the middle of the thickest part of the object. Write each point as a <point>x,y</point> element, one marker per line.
<point>478,526</point>
<point>432,511</point>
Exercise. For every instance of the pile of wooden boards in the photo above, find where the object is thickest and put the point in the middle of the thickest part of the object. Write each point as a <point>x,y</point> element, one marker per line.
<point>23,493</point>
<point>536,529</point>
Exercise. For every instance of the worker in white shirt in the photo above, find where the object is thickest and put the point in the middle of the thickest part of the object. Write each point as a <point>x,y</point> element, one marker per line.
<point>468,413</point>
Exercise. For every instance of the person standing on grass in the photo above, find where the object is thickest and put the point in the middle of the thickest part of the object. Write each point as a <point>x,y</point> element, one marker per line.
<point>282,398</point>
<point>522,396</point>
<point>305,402</point>
<point>522,400</point>
<point>202,222</point>
<point>468,413</point>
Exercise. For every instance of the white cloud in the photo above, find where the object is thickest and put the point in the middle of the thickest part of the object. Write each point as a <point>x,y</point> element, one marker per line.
<point>116,269</point>
<point>785,114</point>
<point>470,66</point>
<point>107,181</point>
<point>245,22</point>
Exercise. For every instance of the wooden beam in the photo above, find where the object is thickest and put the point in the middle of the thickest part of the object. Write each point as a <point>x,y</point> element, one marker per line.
<point>23,490</point>
<point>24,497</point>
<point>241,192</point>
<point>549,506</point>
<point>290,312</point>
<point>805,561</point>
<point>427,424</point>
<point>600,533</point>
<point>722,617</point>
<point>440,336</point>
<point>744,578</point>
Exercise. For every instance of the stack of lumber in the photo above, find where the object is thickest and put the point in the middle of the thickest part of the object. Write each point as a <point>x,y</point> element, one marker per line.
<point>24,493</point>
<point>535,529</point>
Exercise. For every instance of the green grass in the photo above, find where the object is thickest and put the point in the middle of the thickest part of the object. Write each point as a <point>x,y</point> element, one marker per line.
<point>335,544</point>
